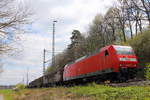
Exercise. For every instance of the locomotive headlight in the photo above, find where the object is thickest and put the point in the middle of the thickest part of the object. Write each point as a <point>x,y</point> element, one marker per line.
<point>132,59</point>
<point>122,59</point>
<point>134,64</point>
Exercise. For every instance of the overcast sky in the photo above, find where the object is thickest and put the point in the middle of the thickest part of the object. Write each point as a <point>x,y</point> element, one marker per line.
<point>70,14</point>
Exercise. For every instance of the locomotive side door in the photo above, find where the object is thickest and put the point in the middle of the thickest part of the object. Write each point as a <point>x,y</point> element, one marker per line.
<point>102,60</point>
<point>106,59</point>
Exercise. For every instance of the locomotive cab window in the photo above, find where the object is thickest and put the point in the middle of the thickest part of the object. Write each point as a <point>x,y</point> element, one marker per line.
<point>106,53</point>
<point>126,50</point>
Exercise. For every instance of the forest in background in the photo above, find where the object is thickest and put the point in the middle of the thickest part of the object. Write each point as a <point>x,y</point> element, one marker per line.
<point>125,24</point>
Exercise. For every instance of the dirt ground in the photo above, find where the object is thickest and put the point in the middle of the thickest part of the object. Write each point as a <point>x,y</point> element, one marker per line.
<point>1,97</point>
<point>47,94</point>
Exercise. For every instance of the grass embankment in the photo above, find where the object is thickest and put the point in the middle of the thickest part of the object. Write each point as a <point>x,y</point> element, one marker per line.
<point>8,94</point>
<point>88,92</point>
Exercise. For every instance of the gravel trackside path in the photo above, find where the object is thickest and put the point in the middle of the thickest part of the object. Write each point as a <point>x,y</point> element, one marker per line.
<point>1,97</point>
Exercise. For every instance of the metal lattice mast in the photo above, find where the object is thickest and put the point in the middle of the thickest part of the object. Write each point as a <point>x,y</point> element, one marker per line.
<point>44,62</point>
<point>53,44</point>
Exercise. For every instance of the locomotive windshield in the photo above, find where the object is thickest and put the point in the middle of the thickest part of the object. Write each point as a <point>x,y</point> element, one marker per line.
<point>126,50</point>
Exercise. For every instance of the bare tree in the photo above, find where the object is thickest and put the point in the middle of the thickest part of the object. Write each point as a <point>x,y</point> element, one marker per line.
<point>12,19</point>
<point>112,24</point>
<point>134,16</point>
<point>96,36</point>
<point>144,7</point>
<point>119,14</point>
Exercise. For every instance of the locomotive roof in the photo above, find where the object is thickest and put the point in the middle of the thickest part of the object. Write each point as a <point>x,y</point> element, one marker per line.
<point>121,46</point>
<point>96,51</point>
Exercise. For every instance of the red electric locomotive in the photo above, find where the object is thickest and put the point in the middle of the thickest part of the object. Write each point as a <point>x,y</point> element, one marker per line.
<point>115,61</point>
<point>112,62</point>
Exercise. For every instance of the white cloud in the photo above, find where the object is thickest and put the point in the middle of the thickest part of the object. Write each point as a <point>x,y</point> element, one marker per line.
<point>15,76</point>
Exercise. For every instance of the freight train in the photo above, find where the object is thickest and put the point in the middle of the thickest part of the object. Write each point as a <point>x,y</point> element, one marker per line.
<point>113,62</point>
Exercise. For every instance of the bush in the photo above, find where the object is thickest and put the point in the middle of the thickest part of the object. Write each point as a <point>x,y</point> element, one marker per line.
<point>147,72</point>
<point>19,87</point>
<point>141,45</point>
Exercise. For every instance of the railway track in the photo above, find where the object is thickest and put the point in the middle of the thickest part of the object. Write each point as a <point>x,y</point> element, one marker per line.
<point>132,82</point>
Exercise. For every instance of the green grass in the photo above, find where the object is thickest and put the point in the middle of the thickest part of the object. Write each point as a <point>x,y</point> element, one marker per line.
<point>99,92</point>
<point>88,92</point>
<point>7,94</point>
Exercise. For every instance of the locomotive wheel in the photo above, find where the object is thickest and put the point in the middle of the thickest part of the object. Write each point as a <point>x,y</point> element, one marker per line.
<point>122,77</point>
<point>132,73</point>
